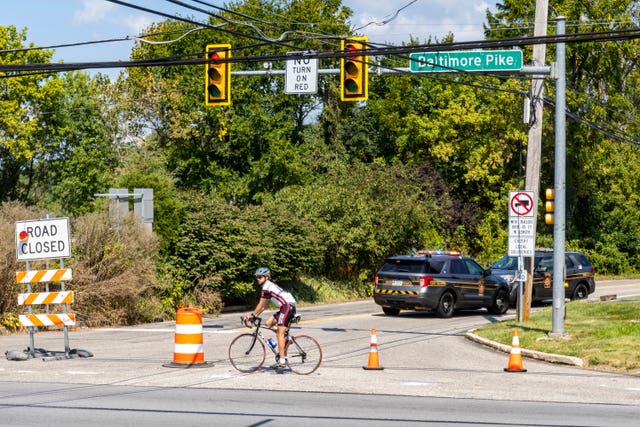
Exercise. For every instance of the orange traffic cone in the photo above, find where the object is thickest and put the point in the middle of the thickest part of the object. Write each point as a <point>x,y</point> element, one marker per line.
<point>515,358</point>
<point>373,363</point>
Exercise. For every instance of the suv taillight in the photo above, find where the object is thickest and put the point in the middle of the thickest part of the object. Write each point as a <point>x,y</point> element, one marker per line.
<point>375,279</point>
<point>425,280</point>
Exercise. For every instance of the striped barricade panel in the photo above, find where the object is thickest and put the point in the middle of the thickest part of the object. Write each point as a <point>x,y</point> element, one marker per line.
<point>43,275</point>
<point>63,297</point>
<point>68,319</point>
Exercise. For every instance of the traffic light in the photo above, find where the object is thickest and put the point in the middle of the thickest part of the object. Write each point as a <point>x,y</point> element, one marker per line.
<point>354,70</point>
<point>548,206</point>
<point>218,76</point>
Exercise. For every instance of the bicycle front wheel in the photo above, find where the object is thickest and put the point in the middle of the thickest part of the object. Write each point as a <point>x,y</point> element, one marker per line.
<point>304,354</point>
<point>247,353</point>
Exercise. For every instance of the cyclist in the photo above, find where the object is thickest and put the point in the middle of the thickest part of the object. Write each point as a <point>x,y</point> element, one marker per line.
<point>287,309</point>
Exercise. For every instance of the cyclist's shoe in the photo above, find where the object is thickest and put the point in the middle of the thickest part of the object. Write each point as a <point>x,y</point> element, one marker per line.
<point>280,364</point>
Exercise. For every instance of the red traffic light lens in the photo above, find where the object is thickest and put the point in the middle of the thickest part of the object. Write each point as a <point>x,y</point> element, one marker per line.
<point>351,48</point>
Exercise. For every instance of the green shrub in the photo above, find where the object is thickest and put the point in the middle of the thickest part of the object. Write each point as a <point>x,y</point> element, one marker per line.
<point>607,259</point>
<point>114,269</point>
<point>10,212</point>
<point>218,246</point>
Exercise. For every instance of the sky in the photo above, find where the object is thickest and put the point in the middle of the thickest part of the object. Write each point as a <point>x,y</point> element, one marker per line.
<point>54,22</point>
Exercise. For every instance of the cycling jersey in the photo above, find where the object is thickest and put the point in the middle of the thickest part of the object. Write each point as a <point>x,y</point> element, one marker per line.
<point>275,293</point>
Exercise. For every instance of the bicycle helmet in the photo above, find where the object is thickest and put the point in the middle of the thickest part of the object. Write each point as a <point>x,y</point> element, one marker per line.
<point>262,271</point>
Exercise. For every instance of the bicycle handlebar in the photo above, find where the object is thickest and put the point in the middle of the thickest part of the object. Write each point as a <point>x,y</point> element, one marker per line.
<point>251,323</point>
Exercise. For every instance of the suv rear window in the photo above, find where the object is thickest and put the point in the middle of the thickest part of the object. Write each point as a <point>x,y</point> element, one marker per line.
<point>412,266</point>
<point>580,259</point>
<point>402,266</point>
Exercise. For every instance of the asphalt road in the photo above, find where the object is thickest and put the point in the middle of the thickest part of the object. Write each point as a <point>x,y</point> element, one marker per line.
<point>44,404</point>
<point>422,356</point>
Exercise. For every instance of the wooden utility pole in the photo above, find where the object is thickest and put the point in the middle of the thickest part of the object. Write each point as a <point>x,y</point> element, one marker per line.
<point>532,177</point>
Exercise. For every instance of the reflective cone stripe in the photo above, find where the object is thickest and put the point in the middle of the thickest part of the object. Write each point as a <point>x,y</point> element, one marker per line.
<point>373,362</point>
<point>68,319</point>
<point>65,297</point>
<point>43,275</point>
<point>189,343</point>
<point>515,357</point>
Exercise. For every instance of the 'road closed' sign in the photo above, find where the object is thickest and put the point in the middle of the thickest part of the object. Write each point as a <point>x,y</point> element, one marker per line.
<point>42,239</point>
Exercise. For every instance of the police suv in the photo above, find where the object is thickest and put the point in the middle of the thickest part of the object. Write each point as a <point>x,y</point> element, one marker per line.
<point>443,281</point>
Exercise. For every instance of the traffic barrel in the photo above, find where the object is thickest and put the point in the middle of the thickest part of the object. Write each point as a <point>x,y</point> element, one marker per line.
<point>189,341</point>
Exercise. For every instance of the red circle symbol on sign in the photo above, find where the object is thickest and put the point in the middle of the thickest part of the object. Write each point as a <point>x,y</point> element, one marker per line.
<point>521,204</point>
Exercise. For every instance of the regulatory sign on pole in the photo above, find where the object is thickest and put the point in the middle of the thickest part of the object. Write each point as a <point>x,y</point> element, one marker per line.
<point>522,237</point>
<point>521,204</point>
<point>43,239</point>
<point>301,75</point>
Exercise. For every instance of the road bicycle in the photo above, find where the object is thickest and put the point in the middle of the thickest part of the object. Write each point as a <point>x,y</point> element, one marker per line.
<point>248,351</point>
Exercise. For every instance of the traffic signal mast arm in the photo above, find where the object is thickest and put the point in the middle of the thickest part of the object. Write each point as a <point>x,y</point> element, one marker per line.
<point>354,71</point>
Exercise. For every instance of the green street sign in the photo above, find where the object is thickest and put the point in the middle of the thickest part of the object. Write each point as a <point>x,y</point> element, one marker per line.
<point>466,60</point>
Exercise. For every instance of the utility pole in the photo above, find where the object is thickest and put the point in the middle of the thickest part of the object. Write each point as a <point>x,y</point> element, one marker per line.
<point>532,178</point>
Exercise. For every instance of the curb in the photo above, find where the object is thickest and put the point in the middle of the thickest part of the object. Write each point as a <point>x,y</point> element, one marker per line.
<point>538,355</point>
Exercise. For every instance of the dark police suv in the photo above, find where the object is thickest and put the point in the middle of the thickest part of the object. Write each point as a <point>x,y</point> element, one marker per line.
<point>443,281</point>
<point>579,277</point>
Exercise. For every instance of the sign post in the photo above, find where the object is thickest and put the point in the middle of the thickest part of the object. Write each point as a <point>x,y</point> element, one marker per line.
<point>522,238</point>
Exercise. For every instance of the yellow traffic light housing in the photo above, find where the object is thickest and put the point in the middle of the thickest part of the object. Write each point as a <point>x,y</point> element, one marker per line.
<point>354,70</point>
<point>218,75</point>
<point>548,206</point>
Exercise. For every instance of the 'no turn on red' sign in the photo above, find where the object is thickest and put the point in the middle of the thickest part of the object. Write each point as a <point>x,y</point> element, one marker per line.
<point>42,239</point>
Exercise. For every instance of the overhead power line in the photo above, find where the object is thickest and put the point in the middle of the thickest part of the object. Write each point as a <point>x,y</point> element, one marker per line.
<point>604,36</point>
<point>190,21</point>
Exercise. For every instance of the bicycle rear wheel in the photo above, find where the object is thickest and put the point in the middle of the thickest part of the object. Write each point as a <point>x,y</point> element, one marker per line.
<point>304,354</point>
<point>247,353</point>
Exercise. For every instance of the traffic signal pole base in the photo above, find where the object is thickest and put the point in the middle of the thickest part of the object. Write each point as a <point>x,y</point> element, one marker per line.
<point>558,335</point>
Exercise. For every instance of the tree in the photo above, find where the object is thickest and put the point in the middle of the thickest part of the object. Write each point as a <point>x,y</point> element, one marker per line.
<point>602,95</point>
<point>25,100</point>
<point>252,146</point>
<point>80,153</point>
<point>364,213</point>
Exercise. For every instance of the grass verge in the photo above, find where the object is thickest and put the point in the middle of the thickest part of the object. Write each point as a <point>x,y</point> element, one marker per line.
<point>605,335</point>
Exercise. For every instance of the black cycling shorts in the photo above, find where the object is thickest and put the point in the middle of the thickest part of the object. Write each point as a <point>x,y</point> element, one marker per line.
<point>285,314</point>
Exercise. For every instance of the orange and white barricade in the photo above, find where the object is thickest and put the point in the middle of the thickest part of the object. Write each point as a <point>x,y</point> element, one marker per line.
<point>188,350</point>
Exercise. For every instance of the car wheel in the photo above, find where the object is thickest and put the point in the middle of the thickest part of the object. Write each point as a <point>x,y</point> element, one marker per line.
<point>390,311</point>
<point>580,292</point>
<point>500,303</point>
<point>446,305</point>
